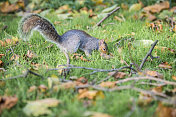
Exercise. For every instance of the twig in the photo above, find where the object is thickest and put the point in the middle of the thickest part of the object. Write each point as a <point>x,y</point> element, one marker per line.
<point>22,76</point>
<point>109,14</point>
<point>153,84</point>
<point>130,67</point>
<point>146,78</point>
<point>148,54</point>
<point>95,70</point>
<point>155,95</point>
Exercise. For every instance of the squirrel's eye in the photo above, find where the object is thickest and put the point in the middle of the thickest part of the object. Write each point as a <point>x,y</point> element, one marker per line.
<point>104,49</point>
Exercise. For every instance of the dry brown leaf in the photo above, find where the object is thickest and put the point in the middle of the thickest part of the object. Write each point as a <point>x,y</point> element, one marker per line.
<point>6,7</point>
<point>42,88</point>
<point>1,55</point>
<point>165,65</point>
<point>108,84</point>
<point>144,99</point>
<point>157,7</point>
<point>91,94</point>
<point>165,111</point>
<point>1,63</point>
<point>117,74</point>
<point>15,57</point>
<point>32,89</point>
<point>158,89</point>
<point>81,81</point>
<point>7,102</point>
<point>164,49</point>
<point>154,74</point>
<point>30,54</point>
<point>96,114</point>
<point>174,77</point>
<point>2,43</point>
<point>68,85</point>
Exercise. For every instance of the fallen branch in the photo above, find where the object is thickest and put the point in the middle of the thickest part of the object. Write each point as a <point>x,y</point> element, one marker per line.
<point>146,78</point>
<point>130,67</point>
<point>23,75</point>
<point>148,54</point>
<point>109,14</point>
<point>155,95</point>
<point>95,70</point>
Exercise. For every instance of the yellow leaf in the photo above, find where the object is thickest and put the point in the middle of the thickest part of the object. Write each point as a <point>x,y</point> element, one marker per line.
<point>98,2</point>
<point>135,7</point>
<point>92,94</point>
<point>40,107</point>
<point>108,84</point>
<point>174,77</point>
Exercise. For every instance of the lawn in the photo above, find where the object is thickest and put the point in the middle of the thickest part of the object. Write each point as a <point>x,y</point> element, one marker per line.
<point>117,103</point>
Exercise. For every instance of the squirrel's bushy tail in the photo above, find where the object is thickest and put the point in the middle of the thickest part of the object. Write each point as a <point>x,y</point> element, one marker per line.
<point>35,22</point>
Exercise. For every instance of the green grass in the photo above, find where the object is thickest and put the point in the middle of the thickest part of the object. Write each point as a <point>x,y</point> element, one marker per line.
<point>116,104</point>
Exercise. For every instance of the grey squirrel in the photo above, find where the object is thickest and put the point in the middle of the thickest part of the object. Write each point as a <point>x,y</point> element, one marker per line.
<point>69,42</point>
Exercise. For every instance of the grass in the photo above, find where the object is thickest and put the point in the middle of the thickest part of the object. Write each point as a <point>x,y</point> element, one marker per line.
<point>116,104</point>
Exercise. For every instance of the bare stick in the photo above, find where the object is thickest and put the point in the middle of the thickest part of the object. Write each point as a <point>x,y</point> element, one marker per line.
<point>146,78</point>
<point>23,75</point>
<point>156,95</point>
<point>109,14</point>
<point>153,84</point>
<point>94,69</point>
<point>148,54</point>
<point>153,94</point>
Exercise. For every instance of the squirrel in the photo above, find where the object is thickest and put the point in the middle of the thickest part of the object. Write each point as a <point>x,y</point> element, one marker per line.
<point>69,42</point>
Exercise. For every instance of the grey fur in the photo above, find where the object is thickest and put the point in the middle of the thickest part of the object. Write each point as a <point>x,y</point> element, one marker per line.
<point>70,41</point>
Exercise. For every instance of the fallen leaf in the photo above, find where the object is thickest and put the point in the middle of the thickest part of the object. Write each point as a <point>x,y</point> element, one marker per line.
<point>135,7</point>
<point>32,89</point>
<point>98,2</point>
<point>2,84</point>
<point>6,7</point>
<point>7,102</point>
<point>67,85</point>
<point>91,94</point>
<point>165,49</point>
<point>156,8</point>
<point>143,43</point>
<point>30,54</point>
<point>40,107</point>
<point>109,9</point>
<point>158,89</point>
<point>15,57</point>
<point>108,84</point>
<point>165,65</point>
<point>165,111</point>
<point>1,63</point>
<point>144,99</point>
<point>154,74</point>
<point>96,114</point>
<point>81,81</point>
<point>53,80</point>
<point>117,74</point>
<point>124,6</point>
<point>3,44</point>
<point>174,77</point>
<point>42,88</point>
